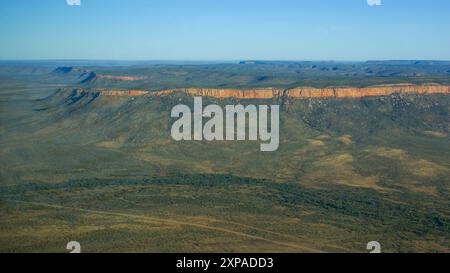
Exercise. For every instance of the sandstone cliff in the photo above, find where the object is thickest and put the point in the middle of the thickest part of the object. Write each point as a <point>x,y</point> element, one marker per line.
<point>119,78</point>
<point>269,93</point>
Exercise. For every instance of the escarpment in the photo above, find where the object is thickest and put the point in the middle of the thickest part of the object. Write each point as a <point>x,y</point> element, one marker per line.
<point>351,92</point>
<point>270,93</point>
<point>86,76</point>
<point>119,78</point>
<point>101,92</point>
<point>308,92</point>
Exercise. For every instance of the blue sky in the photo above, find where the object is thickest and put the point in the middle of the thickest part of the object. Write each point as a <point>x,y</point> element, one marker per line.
<point>225,29</point>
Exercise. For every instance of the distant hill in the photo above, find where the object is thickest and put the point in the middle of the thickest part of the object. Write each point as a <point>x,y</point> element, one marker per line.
<point>257,74</point>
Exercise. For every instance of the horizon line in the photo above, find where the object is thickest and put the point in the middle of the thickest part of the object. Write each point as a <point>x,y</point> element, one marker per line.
<point>218,60</point>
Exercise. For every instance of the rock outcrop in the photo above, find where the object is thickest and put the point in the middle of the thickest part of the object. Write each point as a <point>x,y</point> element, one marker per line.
<point>308,92</point>
<point>119,78</point>
<point>270,93</point>
<point>352,92</point>
<point>99,92</point>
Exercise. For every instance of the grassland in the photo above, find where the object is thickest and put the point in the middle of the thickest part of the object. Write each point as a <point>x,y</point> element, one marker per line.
<point>107,174</point>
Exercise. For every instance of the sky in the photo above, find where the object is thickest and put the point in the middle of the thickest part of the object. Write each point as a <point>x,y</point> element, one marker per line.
<point>342,30</point>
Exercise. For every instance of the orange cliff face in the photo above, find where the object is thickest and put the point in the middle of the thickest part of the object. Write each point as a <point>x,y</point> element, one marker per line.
<point>119,78</point>
<point>100,92</point>
<point>308,92</point>
<point>131,93</point>
<point>269,93</point>
<point>222,93</point>
<point>352,92</point>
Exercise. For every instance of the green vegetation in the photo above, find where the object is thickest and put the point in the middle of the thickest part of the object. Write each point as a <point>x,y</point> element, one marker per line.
<point>105,172</point>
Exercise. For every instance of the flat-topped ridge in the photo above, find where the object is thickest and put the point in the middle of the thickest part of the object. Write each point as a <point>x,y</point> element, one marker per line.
<point>269,93</point>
